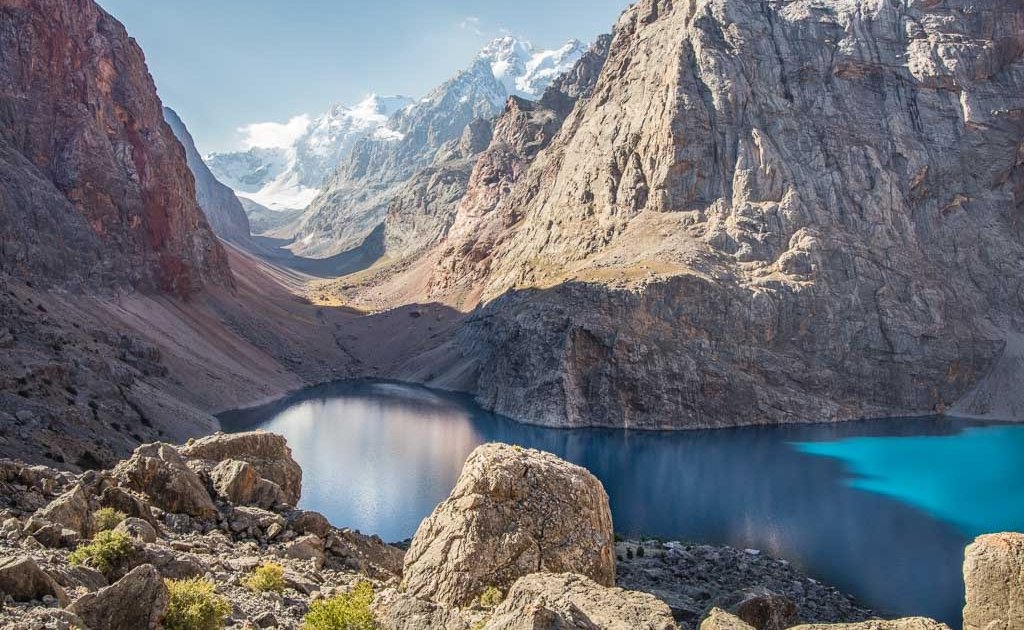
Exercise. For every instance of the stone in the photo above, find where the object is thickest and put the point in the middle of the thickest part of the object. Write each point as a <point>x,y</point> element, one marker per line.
<point>718,619</point>
<point>135,602</point>
<point>307,522</point>
<point>512,512</point>
<point>910,623</point>
<point>994,582</point>
<point>138,529</point>
<point>87,577</point>
<point>125,501</point>
<point>70,510</point>
<point>549,601</point>
<point>394,610</point>
<point>160,473</point>
<point>172,564</point>
<point>307,547</point>
<point>267,453</point>
<point>23,580</point>
<point>768,611</point>
<point>49,619</point>
<point>239,483</point>
<point>265,620</point>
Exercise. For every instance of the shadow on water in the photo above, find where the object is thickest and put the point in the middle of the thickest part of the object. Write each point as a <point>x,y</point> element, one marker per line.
<point>379,456</point>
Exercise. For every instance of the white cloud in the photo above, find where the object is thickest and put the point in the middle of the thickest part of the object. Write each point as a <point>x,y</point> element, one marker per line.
<point>271,134</point>
<point>471,23</point>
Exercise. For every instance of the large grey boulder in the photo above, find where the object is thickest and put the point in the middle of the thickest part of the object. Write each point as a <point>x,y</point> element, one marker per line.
<point>545,601</point>
<point>159,472</point>
<point>268,453</point>
<point>23,580</point>
<point>718,619</point>
<point>70,510</point>
<point>135,602</point>
<point>394,610</point>
<point>138,529</point>
<point>240,483</point>
<point>994,581</point>
<point>513,512</point>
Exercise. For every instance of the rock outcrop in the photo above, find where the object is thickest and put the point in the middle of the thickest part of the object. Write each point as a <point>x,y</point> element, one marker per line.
<point>721,620</point>
<point>994,581</point>
<point>159,472</point>
<point>765,212</point>
<point>544,600</point>
<point>138,601</point>
<point>220,205</point>
<point>22,580</point>
<point>512,512</point>
<point>96,192</point>
<point>267,453</point>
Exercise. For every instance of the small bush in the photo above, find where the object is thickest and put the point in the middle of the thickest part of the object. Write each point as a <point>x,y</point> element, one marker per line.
<point>491,597</point>
<point>266,578</point>
<point>350,611</point>
<point>106,550</point>
<point>640,551</point>
<point>195,605</point>
<point>105,519</point>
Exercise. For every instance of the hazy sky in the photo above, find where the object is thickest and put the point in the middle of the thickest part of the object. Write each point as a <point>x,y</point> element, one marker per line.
<point>224,64</point>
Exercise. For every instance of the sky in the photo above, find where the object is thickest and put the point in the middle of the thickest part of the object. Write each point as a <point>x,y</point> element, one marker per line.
<point>240,72</point>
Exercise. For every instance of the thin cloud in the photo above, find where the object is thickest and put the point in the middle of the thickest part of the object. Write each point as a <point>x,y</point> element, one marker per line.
<point>269,135</point>
<point>471,23</point>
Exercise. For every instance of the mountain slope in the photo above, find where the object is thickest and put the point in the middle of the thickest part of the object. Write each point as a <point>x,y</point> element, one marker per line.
<point>289,178</point>
<point>96,189</point>
<point>222,208</point>
<point>765,213</point>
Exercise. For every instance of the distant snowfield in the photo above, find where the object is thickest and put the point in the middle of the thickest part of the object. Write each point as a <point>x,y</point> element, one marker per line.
<point>288,178</point>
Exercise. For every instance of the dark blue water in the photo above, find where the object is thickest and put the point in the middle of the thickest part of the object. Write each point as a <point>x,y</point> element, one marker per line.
<point>881,509</point>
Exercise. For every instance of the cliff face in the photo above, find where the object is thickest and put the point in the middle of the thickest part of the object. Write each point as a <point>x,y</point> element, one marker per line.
<point>220,205</point>
<point>765,212</point>
<point>96,192</point>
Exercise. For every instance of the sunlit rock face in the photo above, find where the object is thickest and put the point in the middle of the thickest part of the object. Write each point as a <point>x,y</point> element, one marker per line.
<point>764,213</point>
<point>96,191</point>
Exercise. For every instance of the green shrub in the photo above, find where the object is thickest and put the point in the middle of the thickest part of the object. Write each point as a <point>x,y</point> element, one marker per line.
<point>195,605</point>
<point>491,597</point>
<point>350,611</point>
<point>640,551</point>
<point>106,550</point>
<point>107,518</point>
<point>268,577</point>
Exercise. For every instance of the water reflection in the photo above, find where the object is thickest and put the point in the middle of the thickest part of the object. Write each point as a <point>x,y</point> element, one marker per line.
<point>379,456</point>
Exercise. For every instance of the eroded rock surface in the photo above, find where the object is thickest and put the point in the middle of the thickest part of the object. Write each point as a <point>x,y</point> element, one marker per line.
<point>267,453</point>
<point>546,601</point>
<point>512,512</point>
<point>137,601</point>
<point>994,580</point>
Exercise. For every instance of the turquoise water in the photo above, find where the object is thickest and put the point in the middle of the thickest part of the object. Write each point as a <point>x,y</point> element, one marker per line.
<point>972,480</point>
<point>881,509</point>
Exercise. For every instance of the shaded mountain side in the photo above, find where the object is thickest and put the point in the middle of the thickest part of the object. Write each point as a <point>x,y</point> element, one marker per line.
<point>222,208</point>
<point>767,213</point>
<point>96,193</point>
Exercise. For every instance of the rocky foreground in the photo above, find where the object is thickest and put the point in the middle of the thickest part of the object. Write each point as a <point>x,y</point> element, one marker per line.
<point>525,540</point>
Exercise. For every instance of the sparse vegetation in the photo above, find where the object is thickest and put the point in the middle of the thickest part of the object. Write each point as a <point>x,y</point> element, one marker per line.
<point>195,605</point>
<point>106,550</point>
<point>491,597</point>
<point>269,577</point>
<point>349,611</point>
<point>107,518</point>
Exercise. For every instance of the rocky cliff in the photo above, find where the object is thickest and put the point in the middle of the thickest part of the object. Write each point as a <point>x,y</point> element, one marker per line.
<point>765,212</point>
<point>222,208</point>
<point>96,191</point>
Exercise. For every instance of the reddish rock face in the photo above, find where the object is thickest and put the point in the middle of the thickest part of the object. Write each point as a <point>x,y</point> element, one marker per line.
<point>96,191</point>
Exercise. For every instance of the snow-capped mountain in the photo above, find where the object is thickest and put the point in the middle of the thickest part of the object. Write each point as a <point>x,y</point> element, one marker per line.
<point>527,71</point>
<point>290,177</point>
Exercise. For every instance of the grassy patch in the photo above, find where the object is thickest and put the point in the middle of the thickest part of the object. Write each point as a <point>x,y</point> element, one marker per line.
<point>350,611</point>
<point>267,578</point>
<point>104,552</point>
<point>195,605</point>
<point>107,518</point>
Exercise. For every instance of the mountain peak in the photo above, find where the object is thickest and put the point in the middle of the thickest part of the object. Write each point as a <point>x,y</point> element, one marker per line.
<point>525,70</point>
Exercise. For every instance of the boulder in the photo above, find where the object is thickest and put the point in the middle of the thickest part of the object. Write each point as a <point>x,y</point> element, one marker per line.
<point>267,452</point>
<point>394,610</point>
<point>159,472</point>
<point>767,611</point>
<point>175,565</point>
<point>70,510</point>
<point>910,623</point>
<point>136,601</point>
<point>994,581</point>
<point>718,619</point>
<point>306,548</point>
<point>23,580</point>
<point>546,600</point>
<point>138,529</point>
<point>125,501</point>
<point>239,483</point>
<point>513,512</point>
<point>306,522</point>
